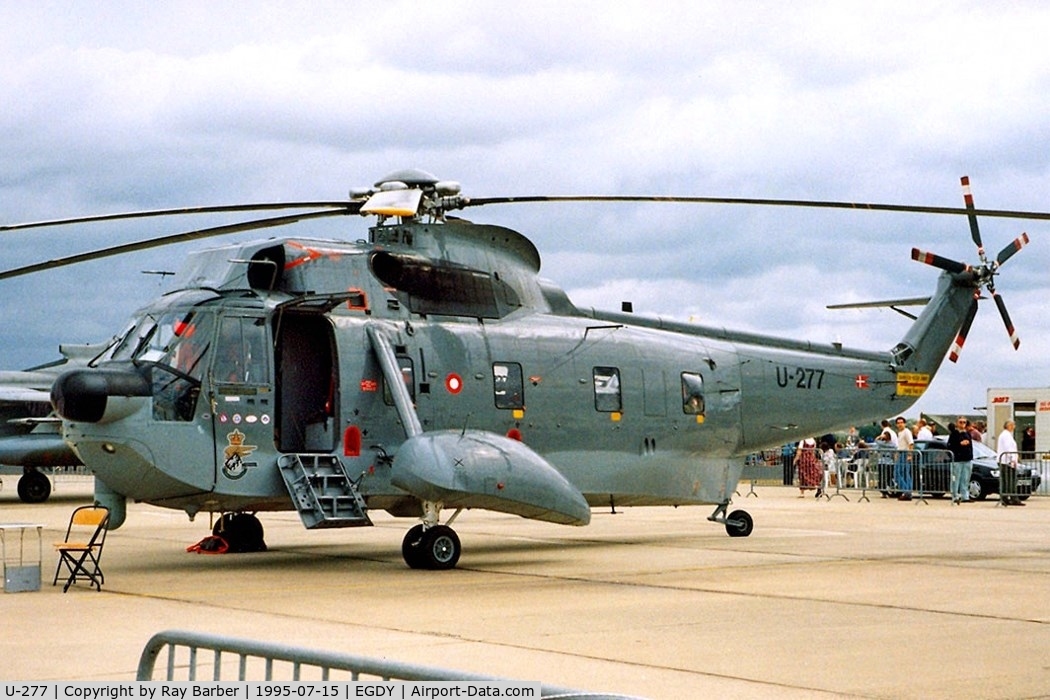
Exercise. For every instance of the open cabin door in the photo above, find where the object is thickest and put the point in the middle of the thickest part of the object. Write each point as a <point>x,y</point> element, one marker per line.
<point>307,380</point>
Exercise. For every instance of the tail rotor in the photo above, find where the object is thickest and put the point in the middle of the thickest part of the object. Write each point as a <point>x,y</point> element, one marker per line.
<point>982,276</point>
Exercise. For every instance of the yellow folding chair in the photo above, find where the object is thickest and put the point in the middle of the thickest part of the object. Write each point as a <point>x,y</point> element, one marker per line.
<point>81,552</point>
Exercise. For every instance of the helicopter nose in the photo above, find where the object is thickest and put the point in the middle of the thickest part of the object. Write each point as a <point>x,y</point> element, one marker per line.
<point>83,394</point>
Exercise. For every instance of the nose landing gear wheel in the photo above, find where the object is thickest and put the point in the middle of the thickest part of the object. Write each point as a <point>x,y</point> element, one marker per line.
<point>412,547</point>
<point>437,547</point>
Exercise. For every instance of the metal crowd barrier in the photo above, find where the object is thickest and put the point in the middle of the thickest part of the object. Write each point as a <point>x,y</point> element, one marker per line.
<point>764,465</point>
<point>1020,476</point>
<point>891,472</point>
<point>1038,466</point>
<point>264,661</point>
<point>922,474</point>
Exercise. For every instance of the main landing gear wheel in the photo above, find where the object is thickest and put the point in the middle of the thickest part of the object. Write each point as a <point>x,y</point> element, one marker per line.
<point>33,487</point>
<point>242,531</point>
<point>436,547</point>
<point>739,524</point>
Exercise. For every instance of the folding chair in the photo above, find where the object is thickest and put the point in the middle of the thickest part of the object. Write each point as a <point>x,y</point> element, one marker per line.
<point>81,551</point>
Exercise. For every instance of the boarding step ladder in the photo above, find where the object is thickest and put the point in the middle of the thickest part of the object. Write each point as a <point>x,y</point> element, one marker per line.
<point>322,491</point>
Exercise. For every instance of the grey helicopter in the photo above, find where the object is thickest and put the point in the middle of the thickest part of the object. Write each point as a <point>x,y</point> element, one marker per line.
<point>429,369</point>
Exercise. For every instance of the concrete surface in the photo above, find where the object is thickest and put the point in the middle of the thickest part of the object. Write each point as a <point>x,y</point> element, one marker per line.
<point>879,599</point>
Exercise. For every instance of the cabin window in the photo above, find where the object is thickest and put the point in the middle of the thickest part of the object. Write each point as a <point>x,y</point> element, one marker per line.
<point>692,394</point>
<point>408,375</point>
<point>607,396</point>
<point>508,385</point>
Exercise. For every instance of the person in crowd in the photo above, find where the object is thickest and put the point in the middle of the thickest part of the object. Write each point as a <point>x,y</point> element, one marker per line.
<point>961,446</point>
<point>853,439</point>
<point>1028,443</point>
<point>830,460</point>
<point>886,440</point>
<point>1006,449</point>
<point>905,444</point>
<point>923,431</point>
<point>975,434</point>
<point>810,473</point>
<point>787,461</point>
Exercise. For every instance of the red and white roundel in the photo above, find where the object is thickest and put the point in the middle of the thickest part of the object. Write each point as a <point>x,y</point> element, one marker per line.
<point>454,383</point>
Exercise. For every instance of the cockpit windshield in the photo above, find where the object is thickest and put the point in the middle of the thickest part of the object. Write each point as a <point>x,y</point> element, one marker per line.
<point>177,339</point>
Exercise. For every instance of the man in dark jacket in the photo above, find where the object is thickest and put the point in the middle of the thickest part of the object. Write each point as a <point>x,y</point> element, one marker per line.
<point>961,445</point>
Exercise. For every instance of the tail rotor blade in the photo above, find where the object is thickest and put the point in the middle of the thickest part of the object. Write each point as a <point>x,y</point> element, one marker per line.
<point>960,339</point>
<point>971,214</point>
<point>952,266</point>
<point>1014,339</point>
<point>1011,248</point>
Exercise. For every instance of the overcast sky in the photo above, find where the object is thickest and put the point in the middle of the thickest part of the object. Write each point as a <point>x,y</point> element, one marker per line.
<point>117,106</point>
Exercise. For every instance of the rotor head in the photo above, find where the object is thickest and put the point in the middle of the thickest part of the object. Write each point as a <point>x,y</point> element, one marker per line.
<point>410,193</point>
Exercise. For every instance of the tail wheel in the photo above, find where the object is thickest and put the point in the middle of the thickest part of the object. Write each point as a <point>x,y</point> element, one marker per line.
<point>739,524</point>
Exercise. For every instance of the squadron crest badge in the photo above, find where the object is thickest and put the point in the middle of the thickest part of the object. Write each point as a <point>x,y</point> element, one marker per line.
<point>234,465</point>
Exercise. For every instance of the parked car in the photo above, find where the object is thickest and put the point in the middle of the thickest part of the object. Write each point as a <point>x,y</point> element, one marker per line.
<point>984,480</point>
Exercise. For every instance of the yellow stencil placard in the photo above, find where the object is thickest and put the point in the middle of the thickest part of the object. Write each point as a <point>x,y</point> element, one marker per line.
<point>912,383</point>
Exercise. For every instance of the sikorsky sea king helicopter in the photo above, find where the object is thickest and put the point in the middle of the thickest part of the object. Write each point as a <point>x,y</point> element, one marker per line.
<point>429,370</point>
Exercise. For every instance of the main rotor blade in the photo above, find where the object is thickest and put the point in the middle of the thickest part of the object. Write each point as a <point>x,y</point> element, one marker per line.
<point>267,206</point>
<point>975,232</point>
<point>960,339</point>
<point>953,266</point>
<point>1014,339</point>
<point>806,203</point>
<point>1012,247</point>
<point>166,240</point>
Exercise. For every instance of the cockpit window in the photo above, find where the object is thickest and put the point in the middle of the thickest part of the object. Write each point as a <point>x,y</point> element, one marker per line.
<point>177,343</point>
<point>240,352</point>
<point>177,339</point>
<point>132,339</point>
<point>191,337</point>
<point>119,342</point>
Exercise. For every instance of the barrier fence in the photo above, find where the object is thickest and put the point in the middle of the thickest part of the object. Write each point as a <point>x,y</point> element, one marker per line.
<point>1020,476</point>
<point>1039,464</point>
<point>191,656</point>
<point>916,474</point>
